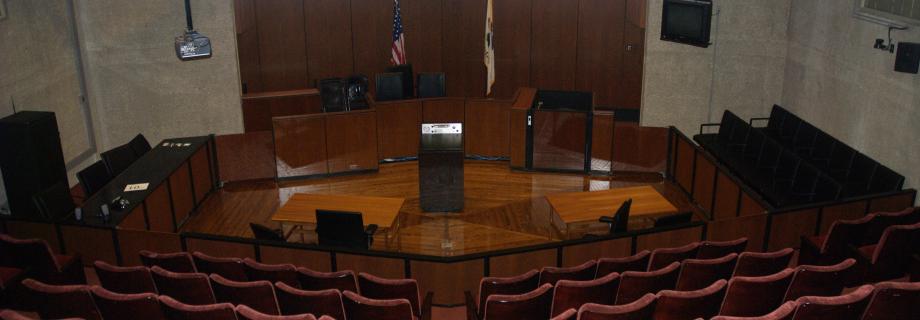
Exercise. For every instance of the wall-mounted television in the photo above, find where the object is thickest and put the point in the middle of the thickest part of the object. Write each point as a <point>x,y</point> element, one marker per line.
<point>686,21</point>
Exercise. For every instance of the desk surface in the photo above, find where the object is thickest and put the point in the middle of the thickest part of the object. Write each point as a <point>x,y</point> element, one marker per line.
<point>589,206</point>
<point>154,167</point>
<point>301,208</point>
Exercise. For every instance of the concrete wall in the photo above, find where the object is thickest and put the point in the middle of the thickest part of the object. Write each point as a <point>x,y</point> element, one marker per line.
<point>836,80</point>
<point>38,70</point>
<point>137,85</point>
<point>742,70</point>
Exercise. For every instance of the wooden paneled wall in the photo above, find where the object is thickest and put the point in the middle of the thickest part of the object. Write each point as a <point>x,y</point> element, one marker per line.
<point>590,45</point>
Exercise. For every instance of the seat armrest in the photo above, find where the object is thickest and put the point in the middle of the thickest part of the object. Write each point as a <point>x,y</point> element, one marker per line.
<point>751,122</point>
<point>709,125</point>
<point>471,312</point>
<point>426,306</point>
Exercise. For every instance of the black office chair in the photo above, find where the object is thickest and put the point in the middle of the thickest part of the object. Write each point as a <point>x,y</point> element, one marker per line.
<point>118,159</point>
<point>93,178</point>
<point>343,229</point>
<point>431,85</point>
<point>139,145</point>
<point>620,220</point>
<point>389,86</point>
<point>55,202</point>
<point>332,92</point>
<point>356,92</point>
<point>405,71</point>
<point>673,219</point>
<point>261,232</point>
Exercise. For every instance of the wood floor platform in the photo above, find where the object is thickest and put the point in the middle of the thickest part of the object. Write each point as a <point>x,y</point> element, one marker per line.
<point>503,208</point>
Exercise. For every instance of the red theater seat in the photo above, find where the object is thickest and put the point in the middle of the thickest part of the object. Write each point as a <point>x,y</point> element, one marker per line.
<point>755,296</point>
<point>358,307</point>
<point>846,307</point>
<point>324,302</point>
<point>635,284</point>
<point>187,288</point>
<point>286,273</point>
<point>246,313</point>
<point>640,309</point>
<point>636,262</point>
<point>662,257</point>
<point>389,289</point>
<point>894,300</point>
<point>532,305</point>
<point>758,264</point>
<point>696,274</point>
<point>124,279</point>
<point>36,258</point>
<point>891,257</point>
<point>488,286</point>
<point>63,301</point>
<point>259,295</point>
<point>570,294</point>
<point>784,312</point>
<point>703,303</point>
<point>315,280</point>
<point>228,268</point>
<point>176,261</point>
<point>585,271</point>
<point>175,310</point>
<point>717,249</point>
<point>832,247</point>
<point>135,306</point>
<point>820,280</point>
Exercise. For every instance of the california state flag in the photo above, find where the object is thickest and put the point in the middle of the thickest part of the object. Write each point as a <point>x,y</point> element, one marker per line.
<point>489,58</point>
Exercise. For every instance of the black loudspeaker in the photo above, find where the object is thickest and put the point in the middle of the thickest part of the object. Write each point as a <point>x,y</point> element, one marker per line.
<point>908,59</point>
<point>332,92</point>
<point>389,86</point>
<point>406,71</point>
<point>30,158</point>
<point>431,85</point>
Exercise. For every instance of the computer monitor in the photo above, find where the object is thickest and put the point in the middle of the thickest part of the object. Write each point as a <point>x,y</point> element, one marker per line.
<point>340,229</point>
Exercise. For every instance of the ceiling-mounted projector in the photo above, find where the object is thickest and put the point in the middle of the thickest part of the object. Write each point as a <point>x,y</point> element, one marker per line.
<point>192,45</point>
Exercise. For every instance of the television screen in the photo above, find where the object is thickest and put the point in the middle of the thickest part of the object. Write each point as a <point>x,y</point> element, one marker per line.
<point>686,22</point>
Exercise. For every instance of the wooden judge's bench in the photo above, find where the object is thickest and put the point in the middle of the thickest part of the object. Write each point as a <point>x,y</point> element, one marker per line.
<point>308,142</point>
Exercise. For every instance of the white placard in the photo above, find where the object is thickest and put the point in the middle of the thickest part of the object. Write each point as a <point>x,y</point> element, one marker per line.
<point>137,187</point>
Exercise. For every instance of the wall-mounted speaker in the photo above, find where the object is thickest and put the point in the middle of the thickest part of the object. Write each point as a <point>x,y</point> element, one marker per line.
<point>908,57</point>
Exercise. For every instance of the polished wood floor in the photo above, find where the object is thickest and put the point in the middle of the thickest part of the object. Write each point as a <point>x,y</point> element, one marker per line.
<point>503,208</point>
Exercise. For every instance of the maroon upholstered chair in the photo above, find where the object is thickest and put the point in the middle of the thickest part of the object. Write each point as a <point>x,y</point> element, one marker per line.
<point>635,284</point>
<point>35,256</point>
<point>915,267</point>
<point>286,273</point>
<point>820,280</point>
<point>570,314</point>
<point>717,249</point>
<point>13,315</point>
<point>532,305</point>
<point>388,289</point>
<point>883,220</point>
<point>703,303</point>
<point>180,262</point>
<point>846,307</point>
<point>315,280</point>
<point>784,312</point>
<point>894,300</point>
<point>124,279</point>
<point>520,284</point>
<point>9,285</point>
<point>570,294</point>
<point>295,301</point>
<point>758,264</point>
<point>188,288</point>
<point>582,272</point>
<point>831,248</point>
<point>246,313</point>
<point>636,262</point>
<point>696,274</point>
<point>358,307</point>
<point>640,309</point>
<point>228,268</point>
<point>756,296</point>
<point>662,257</point>
<point>259,295</point>
<point>175,310</point>
<point>135,306</point>
<point>891,257</point>
<point>63,301</point>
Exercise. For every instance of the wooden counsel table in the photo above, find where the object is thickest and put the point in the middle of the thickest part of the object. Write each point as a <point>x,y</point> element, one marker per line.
<point>301,208</point>
<point>589,206</point>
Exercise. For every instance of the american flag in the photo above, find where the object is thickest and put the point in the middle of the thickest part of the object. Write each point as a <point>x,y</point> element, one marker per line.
<point>398,49</point>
